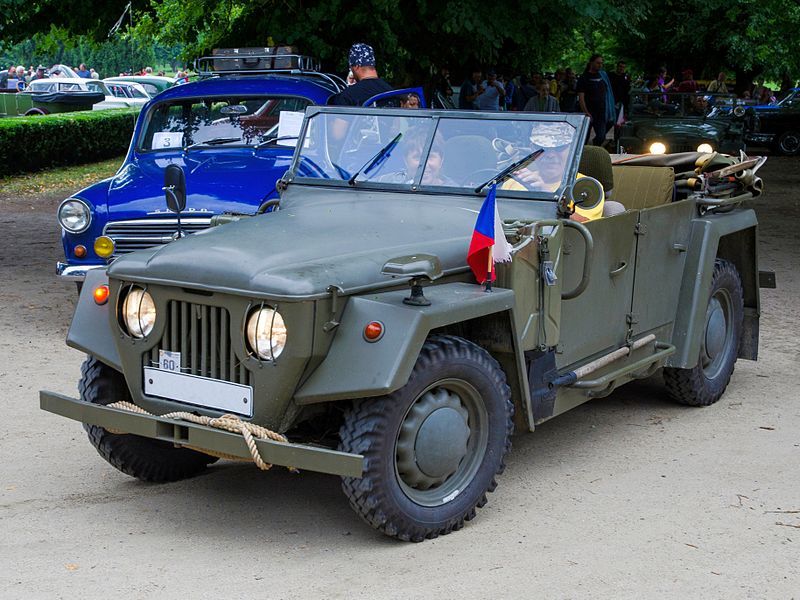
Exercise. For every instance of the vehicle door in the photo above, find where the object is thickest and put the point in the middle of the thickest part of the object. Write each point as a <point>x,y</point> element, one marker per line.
<point>596,320</point>
<point>661,245</point>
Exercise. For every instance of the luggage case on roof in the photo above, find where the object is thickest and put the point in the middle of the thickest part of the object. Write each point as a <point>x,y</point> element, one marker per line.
<point>255,59</point>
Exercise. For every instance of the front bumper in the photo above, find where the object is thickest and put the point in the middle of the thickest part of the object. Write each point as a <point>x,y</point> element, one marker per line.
<point>75,272</point>
<point>184,433</point>
<point>760,138</point>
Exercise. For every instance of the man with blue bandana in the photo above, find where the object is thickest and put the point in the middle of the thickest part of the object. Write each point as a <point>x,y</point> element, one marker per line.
<point>362,63</point>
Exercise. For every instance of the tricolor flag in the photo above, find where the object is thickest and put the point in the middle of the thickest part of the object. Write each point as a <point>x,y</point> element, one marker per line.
<point>488,245</point>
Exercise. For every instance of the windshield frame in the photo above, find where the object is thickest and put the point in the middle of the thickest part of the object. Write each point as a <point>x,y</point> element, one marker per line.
<point>154,105</point>
<point>579,121</point>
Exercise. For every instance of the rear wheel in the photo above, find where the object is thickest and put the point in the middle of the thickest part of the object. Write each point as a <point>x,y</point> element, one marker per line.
<point>432,449</point>
<point>788,143</point>
<point>705,383</point>
<point>143,458</point>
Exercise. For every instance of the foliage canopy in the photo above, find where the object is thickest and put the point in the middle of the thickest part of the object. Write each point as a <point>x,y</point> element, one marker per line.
<point>750,36</point>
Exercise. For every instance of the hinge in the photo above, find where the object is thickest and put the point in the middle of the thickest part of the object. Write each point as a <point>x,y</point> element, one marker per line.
<point>640,229</point>
<point>631,319</point>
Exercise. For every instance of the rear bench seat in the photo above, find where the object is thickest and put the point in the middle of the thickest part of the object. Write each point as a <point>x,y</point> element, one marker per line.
<point>639,187</point>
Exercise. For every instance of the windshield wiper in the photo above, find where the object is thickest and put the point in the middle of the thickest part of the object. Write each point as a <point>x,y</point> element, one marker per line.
<point>212,142</point>
<point>510,169</point>
<point>379,157</point>
<point>274,140</point>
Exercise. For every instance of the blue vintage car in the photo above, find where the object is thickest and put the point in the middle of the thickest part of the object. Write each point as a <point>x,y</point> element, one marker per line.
<point>223,130</point>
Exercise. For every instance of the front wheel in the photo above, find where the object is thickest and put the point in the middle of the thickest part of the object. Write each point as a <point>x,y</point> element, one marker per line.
<point>143,458</point>
<point>431,449</point>
<point>705,383</point>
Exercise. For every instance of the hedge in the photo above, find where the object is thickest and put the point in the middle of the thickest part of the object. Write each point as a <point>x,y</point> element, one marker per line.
<point>38,142</point>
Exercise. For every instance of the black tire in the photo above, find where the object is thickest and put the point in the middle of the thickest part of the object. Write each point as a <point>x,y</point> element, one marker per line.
<point>399,437</point>
<point>705,383</point>
<point>788,143</point>
<point>143,458</point>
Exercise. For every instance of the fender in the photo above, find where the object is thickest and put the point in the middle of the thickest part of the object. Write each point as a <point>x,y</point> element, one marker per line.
<point>344,374</point>
<point>90,331</point>
<point>705,244</point>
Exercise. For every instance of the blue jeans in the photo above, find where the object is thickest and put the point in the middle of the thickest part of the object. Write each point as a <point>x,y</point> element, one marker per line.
<point>600,128</point>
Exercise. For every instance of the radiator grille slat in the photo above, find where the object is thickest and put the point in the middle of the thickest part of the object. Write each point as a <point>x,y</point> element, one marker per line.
<point>146,233</point>
<point>202,334</point>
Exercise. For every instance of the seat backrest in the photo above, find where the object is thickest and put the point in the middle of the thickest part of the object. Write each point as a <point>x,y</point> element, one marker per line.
<point>596,162</point>
<point>643,187</point>
<point>467,154</point>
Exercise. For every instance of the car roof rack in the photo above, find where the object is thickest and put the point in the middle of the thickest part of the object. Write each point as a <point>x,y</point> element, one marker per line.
<point>280,60</point>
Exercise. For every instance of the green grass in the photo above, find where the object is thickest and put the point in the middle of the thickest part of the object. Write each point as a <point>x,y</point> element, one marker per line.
<point>72,178</point>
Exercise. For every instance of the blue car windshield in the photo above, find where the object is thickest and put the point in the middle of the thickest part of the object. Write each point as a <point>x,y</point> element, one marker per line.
<point>246,120</point>
<point>419,150</point>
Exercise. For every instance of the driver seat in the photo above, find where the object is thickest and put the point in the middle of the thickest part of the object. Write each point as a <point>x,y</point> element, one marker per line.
<point>465,155</point>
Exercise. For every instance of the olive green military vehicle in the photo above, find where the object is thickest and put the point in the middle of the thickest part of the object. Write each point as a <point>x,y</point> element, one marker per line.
<point>344,332</point>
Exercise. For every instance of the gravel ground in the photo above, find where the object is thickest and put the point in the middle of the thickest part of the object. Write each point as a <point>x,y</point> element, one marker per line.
<point>628,496</point>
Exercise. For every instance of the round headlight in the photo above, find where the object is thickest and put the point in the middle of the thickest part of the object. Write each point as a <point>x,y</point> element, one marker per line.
<point>139,312</point>
<point>705,148</point>
<point>658,148</point>
<point>74,215</point>
<point>266,333</point>
<point>738,111</point>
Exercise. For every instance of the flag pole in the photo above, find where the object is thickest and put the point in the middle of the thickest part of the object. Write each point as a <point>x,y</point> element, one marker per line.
<point>489,267</point>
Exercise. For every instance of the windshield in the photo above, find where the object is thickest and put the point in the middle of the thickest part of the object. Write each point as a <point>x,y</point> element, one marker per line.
<point>410,149</point>
<point>246,120</point>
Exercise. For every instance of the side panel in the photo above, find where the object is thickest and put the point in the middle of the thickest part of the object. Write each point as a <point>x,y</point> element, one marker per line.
<point>704,241</point>
<point>660,258</point>
<point>355,368</point>
<point>89,331</point>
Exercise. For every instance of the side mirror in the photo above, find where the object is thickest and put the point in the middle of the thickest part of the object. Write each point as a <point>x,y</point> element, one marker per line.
<point>586,192</point>
<point>175,188</point>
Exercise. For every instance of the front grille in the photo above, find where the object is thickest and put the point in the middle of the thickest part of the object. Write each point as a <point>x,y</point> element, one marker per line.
<point>202,334</point>
<point>146,233</point>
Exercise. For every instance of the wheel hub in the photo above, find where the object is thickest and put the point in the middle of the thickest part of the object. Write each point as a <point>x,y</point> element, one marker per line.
<point>790,143</point>
<point>433,439</point>
<point>715,330</point>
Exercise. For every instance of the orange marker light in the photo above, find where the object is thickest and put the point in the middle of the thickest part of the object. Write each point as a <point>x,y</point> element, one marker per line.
<point>79,251</point>
<point>101,294</point>
<point>373,331</point>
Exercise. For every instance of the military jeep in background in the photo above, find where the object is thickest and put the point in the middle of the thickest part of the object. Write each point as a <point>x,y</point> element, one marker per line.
<point>671,122</point>
<point>349,322</point>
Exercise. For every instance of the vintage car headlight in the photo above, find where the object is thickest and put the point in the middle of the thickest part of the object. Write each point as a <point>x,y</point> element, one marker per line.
<point>705,148</point>
<point>658,148</point>
<point>266,333</point>
<point>139,312</point>
<point>738,111</point>
<point>74,215</point>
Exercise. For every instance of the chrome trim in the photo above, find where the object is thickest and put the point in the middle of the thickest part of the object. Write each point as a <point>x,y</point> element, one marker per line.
<point>138,234</point>
<point>69,272</point>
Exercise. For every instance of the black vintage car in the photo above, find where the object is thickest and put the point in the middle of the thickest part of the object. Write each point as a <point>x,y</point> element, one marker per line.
<point>779,125</point>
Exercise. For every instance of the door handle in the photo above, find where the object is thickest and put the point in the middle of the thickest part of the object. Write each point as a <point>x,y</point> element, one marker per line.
<point>622,266</point>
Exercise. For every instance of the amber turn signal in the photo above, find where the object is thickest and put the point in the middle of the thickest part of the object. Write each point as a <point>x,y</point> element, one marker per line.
<point>373,331</point>
<point>79,251</point>
<point>101,294</point>
<point>104,246</point>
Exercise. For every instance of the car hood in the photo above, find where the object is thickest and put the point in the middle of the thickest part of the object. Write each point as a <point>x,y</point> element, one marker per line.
<point>216,182</point>
<point>336,237</point>
<point>708,129</point>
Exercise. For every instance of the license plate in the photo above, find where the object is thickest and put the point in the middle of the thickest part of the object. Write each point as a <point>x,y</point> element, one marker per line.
<point>199,391</point>
<point>169,361</point>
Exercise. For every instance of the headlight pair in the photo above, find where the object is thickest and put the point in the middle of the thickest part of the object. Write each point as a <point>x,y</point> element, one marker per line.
<point>74,215</point>
<point>266,330</point>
